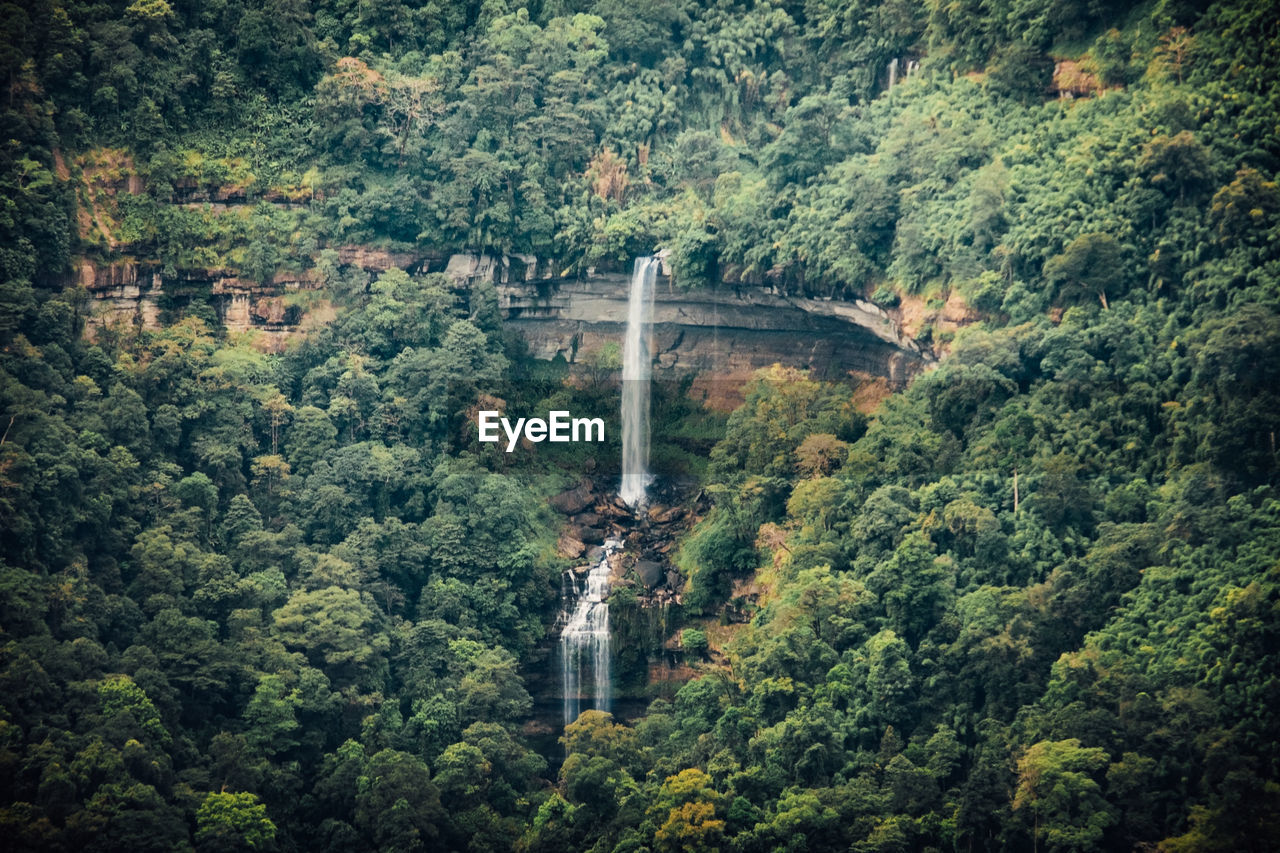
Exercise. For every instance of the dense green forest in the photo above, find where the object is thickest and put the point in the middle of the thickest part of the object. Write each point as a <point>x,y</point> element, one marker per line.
<point>284,601</point>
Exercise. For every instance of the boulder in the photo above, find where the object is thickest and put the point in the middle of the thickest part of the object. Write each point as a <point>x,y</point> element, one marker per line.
<point>573,501</point>
<point>650,572</point>
<point>665,515</point>
<point>587,519</point>
<point>569,546</point>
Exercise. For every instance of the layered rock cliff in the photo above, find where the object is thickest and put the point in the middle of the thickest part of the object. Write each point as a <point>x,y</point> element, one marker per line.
<point>722,332</point>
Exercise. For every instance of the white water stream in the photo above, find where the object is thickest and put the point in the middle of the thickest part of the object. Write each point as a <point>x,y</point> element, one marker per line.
<point>637,361</point>
<point>585,638</point>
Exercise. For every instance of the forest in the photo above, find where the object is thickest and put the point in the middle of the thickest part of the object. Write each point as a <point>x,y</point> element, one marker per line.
<point>281,599</point>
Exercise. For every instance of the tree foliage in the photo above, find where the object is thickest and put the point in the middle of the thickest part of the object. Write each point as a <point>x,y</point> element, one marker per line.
<point>256,601</point>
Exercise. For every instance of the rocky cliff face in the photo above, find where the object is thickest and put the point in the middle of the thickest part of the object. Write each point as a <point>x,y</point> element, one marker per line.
<point>722,334</point>
<point>136,293</point>
<point>726,333</point>
<point>132,293</point>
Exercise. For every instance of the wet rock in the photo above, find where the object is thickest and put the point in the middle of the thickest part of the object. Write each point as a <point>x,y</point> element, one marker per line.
<point>665,515</point>
<point>608,510</point>
<point>569,546</point>
<point>673,579</point>
<point>574,500</point>
<point>594,553</point>
<point>587,519</point>
<point>649,572</point>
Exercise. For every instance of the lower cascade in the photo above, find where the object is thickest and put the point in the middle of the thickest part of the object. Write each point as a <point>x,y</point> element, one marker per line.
<point>585,638</point>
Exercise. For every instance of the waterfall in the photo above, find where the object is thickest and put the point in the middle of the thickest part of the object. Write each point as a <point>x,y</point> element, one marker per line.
<point>636,366</point>
<point>893,72</point>
<point>585,638</point>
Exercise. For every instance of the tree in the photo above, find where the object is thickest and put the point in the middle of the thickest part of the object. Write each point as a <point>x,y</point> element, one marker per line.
<point>1177,163</point>
<point>337,630</point>
<point>914,586</point>
<point>595,733</point>
<point>309,438</point>
<point>396,804</point>
<point>121,697</point>
<point>1093,263</point>
<point>1055,782</point>
<point>227,821</point>
<point>489,688</point>
<point>686,806</point>
<point>1236,369</point>
<point>410,104</point>
<point>128,815</point>
<point>278,410</point>
<point>820,454</point>
<point>889,677</point>
<point>1175,49</point>
<point>271,715</point>
<point>694,642</point>
<point>488,763</point>
<point>1245,208</point>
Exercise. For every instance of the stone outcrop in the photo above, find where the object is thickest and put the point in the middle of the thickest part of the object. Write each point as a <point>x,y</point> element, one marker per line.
<point>724,332</point>
<point>125,292</point>
<point>1070,80</point>
<point>721,334</point>
<point>133,293</point>
<point>375,260</point>
<point>575,500</point>
<point>466,268</point>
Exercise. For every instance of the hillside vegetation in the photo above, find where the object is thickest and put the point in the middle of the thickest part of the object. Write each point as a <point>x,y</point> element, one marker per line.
<point>254,601</point>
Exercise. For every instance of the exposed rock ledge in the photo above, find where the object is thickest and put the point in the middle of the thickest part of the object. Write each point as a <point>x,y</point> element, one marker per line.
<point>726,332</point>
<point>132,293</point>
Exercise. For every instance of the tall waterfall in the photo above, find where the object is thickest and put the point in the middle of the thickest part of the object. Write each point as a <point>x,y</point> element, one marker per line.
<point>584,641</point>
<point>585,638</point>
<point>636,366</point>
